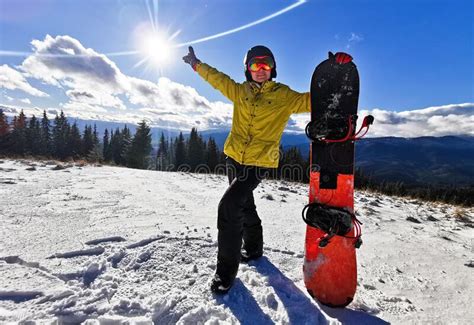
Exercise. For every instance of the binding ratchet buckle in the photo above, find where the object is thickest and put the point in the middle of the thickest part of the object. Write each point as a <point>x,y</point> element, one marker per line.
<point>336,130</point>
<point>333,221</point>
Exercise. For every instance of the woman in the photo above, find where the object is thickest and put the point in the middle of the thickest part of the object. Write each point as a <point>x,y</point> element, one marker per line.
<point>262,108</point>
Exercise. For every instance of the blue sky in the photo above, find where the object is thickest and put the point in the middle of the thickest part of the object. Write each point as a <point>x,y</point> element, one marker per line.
<point>411,54</point>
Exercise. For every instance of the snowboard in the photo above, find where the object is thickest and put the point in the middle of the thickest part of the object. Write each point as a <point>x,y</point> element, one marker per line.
<point>333,232</point>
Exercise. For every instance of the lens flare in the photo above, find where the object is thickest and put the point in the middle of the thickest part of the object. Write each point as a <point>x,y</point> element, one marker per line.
<point>157,49</point>
<point>154,46</point>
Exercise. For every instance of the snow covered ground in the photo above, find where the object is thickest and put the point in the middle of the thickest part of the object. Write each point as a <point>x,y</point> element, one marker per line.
<point>104,245</point>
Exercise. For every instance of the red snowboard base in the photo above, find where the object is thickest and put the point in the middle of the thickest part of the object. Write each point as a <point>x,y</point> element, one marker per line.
<point>330,272</point>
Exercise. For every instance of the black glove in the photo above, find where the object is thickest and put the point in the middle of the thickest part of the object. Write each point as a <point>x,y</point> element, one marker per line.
<point>191,58</point>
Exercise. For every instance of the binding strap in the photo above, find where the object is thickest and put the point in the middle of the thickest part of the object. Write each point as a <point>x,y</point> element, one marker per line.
<point>312,127</point>
<point>333,221</point>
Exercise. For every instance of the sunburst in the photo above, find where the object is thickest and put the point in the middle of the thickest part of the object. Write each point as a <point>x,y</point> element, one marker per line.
<point>155,47</point>
<point>154,44</point>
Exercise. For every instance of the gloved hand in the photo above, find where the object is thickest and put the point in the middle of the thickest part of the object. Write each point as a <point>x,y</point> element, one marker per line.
<point>191,58</point>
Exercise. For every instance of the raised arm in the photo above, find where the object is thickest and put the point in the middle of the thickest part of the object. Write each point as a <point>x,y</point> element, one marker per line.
<point>299,102</point>
<point>220,81</point>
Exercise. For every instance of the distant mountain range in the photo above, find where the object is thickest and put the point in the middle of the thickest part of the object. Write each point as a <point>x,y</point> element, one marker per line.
<point>447,160</point>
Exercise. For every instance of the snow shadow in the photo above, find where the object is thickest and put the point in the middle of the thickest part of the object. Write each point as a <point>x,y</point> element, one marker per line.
<point>243,305</point>
<point>84,252</point>
<point>300,309</point>
<point>19,296</point>
<point>355,317</point>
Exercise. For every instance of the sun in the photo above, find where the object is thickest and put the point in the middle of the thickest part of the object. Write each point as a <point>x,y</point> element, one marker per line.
<point>156,48</point>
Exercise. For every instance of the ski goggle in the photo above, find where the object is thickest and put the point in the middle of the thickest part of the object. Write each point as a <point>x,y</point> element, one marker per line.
<point>260,62</point>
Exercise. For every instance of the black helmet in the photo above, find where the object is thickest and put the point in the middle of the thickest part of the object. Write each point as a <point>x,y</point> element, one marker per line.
<point>255,51</point>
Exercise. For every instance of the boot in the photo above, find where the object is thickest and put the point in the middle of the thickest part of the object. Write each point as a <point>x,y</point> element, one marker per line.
<point>246,256</point>
<point>219,285</point>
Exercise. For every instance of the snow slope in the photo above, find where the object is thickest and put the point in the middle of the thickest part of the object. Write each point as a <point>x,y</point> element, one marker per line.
<point>104,245</point>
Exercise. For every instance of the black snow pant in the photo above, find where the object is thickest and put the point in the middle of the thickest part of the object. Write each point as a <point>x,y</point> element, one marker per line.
<point>237,218</point>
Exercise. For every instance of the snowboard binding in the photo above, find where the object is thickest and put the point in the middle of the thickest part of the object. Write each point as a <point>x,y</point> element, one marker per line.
<point>337,128</point>
<point>333,221</point>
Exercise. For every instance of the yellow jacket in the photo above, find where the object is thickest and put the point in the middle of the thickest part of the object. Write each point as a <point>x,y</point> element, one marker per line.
<point>259,118</point>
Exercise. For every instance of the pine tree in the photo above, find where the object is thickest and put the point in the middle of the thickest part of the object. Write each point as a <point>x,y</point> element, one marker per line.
<point>139,153</point>
<point>212,155</point>
<point>292,166</point>
<point>95,135</point>
<point>5,136</point>
<point>116,146</point>
<point>55,137</point>
<point>95,154</point>
<point>195,150</point>
<point>125,142</point>
<point>171,155</point>
<point>33,136</point>
<point>107,152</point>
<point>29,136</point>
<point>60,132</point>
<point>75,141</point>
<point>4,127</point>
<point>18,135</point>
<point>180,152</point>
<point>87,140</point>
<point>45,142</point>
<point>162,154</point>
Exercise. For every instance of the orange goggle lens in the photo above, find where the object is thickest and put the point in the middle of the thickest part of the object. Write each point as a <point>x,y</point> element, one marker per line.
<point>260,62</point>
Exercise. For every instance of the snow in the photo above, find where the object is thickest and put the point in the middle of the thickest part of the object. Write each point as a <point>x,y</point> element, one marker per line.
<point>108,245</point>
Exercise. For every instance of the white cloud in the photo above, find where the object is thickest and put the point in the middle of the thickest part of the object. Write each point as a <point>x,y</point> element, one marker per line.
<point>456,119</point>
<point>432,121</point>
<point>25,101</point>
<point>88,77</point>
<point>97,89</point>
<point>64,61</point>
<point>356,38</point>
<point>12,79</point>
<point>353,39</point>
